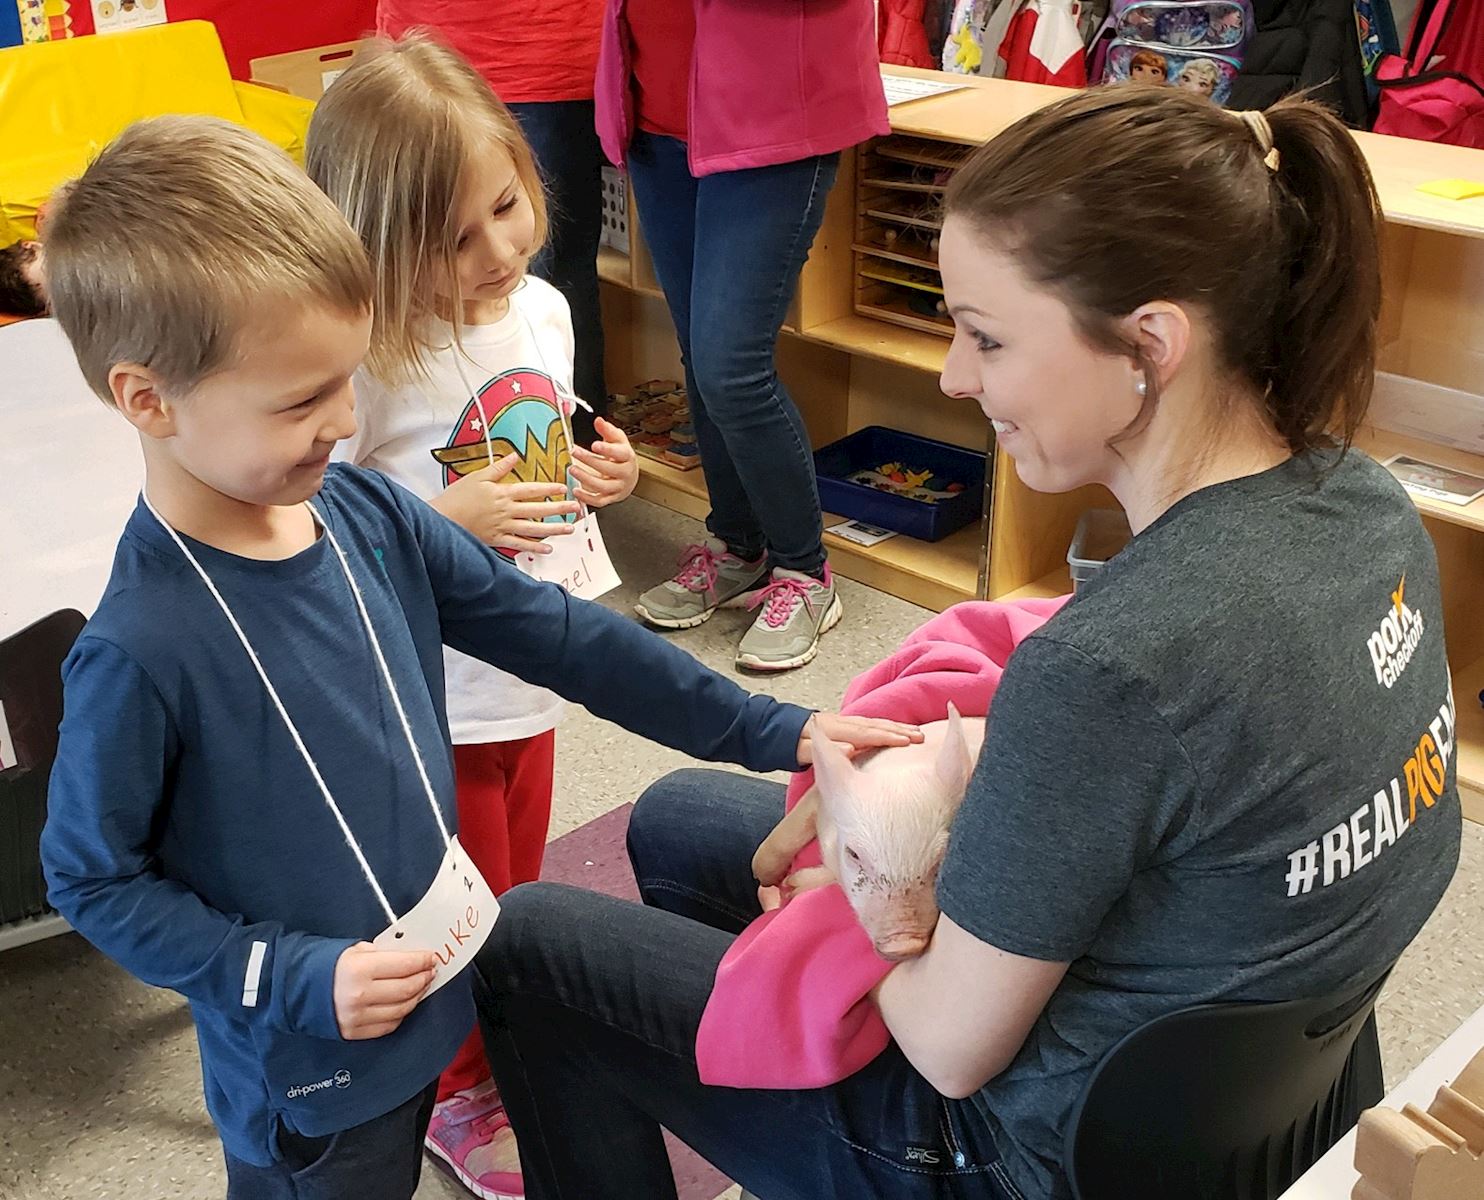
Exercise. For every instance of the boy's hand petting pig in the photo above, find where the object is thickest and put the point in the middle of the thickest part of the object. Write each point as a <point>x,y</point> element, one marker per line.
<point>609,471</point>
<point>507,516</point>
<point>376,989</point>
<point>854,734</point>
<point>882,827</point>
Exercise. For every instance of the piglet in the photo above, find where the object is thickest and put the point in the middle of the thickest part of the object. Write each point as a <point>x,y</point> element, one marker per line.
<point>882,823</point>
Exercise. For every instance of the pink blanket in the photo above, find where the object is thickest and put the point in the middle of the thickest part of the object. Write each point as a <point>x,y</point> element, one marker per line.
<point>790,1007</point>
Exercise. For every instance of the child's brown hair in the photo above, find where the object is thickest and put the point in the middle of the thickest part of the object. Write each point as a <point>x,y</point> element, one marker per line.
<point>389,144</point>
<point>182,230</point>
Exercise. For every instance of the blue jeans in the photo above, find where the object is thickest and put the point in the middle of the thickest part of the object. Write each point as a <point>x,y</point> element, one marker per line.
<point>565,140</point>
<point>728,250</point>
<point>590,1007</point>
<point>379,1160</point>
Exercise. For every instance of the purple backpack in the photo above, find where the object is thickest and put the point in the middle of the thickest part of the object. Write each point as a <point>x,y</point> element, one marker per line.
<point>1192,44</point>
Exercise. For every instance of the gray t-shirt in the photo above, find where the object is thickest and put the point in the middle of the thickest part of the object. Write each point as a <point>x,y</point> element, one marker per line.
<point>1223,772</point>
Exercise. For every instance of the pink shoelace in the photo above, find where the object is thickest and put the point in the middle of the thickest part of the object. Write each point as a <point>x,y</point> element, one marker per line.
<point>697,565</point>
<point>780,598</point>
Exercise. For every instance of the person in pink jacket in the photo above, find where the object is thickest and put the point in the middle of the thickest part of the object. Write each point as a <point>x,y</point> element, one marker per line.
<point>730,119</point>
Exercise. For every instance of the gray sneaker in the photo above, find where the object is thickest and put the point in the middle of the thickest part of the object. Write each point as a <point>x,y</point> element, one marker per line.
<point>796,609</point>
<point>710,577</point>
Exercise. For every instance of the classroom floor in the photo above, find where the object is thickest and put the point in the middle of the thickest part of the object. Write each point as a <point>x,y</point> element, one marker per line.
<point>100,1091</point>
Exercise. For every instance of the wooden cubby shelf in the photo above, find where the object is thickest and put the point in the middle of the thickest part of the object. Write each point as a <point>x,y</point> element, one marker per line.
<point>1467,684</point>
<point>847,369</point>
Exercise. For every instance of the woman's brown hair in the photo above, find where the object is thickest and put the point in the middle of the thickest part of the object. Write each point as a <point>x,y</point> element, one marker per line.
<point>1117,197</point>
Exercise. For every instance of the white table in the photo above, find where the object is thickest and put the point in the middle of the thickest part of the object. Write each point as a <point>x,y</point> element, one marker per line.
<point>1334,1175</point>
<point>70,472</point>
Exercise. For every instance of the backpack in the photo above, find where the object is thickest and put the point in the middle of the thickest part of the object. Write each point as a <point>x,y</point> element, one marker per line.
<point>1442,105</point>
<point>1193,44</point>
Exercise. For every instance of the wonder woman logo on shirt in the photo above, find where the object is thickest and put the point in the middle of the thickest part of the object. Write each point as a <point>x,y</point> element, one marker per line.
<point>523,419</point>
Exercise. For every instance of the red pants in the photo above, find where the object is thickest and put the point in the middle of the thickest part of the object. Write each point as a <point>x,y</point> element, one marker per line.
<point>504,801</point>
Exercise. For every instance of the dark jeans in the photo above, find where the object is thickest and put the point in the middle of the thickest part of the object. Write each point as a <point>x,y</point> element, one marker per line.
<point>728,249</point>
<point>563,135</point>
<point>590,1007</point>
<point>380,1160</point>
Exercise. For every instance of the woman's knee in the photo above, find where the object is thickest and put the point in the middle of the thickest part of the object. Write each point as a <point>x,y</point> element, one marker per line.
<point>666,806</point>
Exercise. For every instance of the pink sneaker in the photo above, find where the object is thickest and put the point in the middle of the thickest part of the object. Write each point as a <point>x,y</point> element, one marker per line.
<point>471,1135</point>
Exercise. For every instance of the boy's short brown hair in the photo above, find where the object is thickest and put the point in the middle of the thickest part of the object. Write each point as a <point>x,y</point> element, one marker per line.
<point>181,230</point>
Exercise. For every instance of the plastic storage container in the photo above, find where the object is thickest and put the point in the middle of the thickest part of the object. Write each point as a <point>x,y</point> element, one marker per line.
<point>1101,533</point>
<point>874,446</point>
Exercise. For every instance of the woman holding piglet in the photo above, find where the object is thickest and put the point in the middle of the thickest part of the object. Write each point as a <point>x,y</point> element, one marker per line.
<point>1172,761</point>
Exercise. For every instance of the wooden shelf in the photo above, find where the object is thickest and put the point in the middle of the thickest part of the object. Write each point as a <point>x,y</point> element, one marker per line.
<point>932,574</point>
<point>882,340</point>
<point>614,267</point>
<point>1381,444</point>
<point>1048,587</point>
<point>670,487</point>
<point>985,107</point>
<point>1466,686</point>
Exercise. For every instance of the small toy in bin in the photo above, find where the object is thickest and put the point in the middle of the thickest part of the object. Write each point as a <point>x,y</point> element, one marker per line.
<point>914,485</point>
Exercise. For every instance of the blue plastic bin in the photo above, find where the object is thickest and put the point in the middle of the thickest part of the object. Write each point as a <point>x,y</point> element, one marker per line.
<point>871,447</point>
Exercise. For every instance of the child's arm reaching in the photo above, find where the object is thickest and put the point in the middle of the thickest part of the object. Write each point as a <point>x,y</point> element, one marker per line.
<point>105,804</point>
<point>507,516</point>
<point>609,471</point>
<point>611,666</point>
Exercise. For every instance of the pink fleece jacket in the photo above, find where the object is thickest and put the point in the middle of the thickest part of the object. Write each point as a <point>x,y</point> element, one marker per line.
<point>771,81</point>
<point>809,966</point>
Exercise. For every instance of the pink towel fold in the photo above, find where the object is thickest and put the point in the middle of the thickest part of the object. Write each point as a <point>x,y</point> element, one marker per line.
<point>809,966</point>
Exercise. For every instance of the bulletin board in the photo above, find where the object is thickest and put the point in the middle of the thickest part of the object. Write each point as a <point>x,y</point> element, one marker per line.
<point>252,28</point>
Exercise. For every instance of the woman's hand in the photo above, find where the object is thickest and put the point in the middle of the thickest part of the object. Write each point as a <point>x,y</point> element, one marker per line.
<point>800,881</point>
<point>854,734</point>
<point>609,471</point>
<point>507,516</point>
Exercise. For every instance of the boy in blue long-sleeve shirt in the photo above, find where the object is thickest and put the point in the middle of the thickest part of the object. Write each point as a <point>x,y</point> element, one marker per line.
<point>254,757</point>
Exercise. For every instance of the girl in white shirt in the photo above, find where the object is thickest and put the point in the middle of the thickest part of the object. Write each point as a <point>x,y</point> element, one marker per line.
<point>466,400</point>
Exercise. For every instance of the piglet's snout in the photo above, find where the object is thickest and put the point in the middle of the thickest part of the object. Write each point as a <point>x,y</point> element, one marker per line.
<point>899,947</point>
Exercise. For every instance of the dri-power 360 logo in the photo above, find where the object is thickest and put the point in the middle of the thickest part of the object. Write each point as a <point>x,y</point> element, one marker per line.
<point>341,1079</point>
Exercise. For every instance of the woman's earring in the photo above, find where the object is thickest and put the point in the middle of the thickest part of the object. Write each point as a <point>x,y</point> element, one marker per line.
<point>1141,387</point>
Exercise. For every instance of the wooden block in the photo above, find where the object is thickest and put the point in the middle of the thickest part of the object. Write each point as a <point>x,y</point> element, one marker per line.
<point>1416,1155</point>
<point>1470,1081</point>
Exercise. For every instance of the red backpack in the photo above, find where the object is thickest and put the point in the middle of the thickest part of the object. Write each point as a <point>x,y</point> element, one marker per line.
<point>1436,93</point>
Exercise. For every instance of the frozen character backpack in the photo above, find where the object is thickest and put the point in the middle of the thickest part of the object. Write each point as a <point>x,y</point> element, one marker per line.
<point>1193,44</point>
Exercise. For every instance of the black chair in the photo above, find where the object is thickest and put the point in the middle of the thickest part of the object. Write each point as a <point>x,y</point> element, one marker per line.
<point>31,711</point>
<point>1225,1101</point>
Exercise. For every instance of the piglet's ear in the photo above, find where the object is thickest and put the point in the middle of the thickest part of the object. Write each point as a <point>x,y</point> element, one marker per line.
<point>834,773</point>
<point>955,763</point>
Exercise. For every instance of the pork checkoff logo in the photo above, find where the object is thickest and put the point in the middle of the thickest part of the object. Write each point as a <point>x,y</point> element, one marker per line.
<point>341,1079</point>
<point>1393,644</point>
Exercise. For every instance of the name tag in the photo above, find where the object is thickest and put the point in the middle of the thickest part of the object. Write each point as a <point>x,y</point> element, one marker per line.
<point>578,562</point>
<point>452,920</point>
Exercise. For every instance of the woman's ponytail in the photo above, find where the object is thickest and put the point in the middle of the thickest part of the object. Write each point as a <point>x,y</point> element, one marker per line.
<point>1324,354</point>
